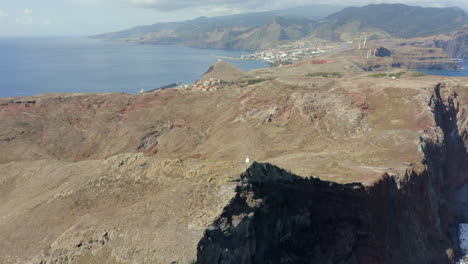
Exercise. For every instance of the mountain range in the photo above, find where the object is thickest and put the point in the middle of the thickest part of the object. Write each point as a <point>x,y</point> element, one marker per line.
<point>258,31</point>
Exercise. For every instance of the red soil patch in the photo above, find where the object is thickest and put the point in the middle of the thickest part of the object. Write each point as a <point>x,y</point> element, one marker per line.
<point>311,62</point>
<point>319,61</point>
<point>196,156</point>
<point>14,108</point>
<point>360,100</point>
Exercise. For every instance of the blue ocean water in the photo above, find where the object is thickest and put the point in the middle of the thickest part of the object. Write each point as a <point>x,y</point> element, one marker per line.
<point>30,66</point>
<point>462,72</point>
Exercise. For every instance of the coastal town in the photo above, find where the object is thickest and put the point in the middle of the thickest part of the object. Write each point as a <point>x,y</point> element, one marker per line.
<point>209,85</point>
<point>297,51</point>
<point>282,55</point>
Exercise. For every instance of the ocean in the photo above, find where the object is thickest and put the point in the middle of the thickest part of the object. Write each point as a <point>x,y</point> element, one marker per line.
<point>462,72</point>
<point>31,66</point>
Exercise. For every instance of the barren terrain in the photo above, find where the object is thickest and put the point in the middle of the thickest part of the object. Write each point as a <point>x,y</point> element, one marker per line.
<point>119,178</point>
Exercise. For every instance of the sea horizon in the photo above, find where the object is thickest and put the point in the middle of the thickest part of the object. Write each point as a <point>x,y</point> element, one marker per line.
<point>55,64</point>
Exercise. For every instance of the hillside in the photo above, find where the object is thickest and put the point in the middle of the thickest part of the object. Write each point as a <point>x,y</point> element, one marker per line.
<point>397,20</point>
<point>223,71</point>
<point>259,31</point>
<point>250,31</point>
<point>350,168</point>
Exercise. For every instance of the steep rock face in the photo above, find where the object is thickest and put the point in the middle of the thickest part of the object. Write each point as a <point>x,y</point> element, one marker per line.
<point>456,46</point>
<point>422,58</point>
<point>278,217</point>
<point>289,219</point>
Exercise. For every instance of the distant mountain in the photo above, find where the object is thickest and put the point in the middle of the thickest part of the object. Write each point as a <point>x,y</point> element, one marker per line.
<point>248,34</point>
<point>247,20</point>
<point>396,20</point>
<point>250,31</point>
<point>258,31</point>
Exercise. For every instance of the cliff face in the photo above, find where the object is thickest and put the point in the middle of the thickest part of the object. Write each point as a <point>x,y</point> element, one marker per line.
<point>456,46</point>
<point>278,217</point>
<point>413,58</point>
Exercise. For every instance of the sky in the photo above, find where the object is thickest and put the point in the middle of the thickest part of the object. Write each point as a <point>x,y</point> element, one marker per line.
<point>88,17</point>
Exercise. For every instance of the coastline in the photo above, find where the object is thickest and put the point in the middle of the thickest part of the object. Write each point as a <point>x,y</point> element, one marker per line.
<point>82,65</point>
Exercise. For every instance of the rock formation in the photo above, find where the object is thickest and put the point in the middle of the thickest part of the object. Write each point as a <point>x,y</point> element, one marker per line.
<point>456,46</point>
<point>223,71</point>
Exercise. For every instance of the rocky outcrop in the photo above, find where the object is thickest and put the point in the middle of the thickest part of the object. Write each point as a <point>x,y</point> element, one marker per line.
<point>278,217</point>
<point>408,55</point>
<point>455,46</point>
<point>423,58</point>
<point>383,52</point>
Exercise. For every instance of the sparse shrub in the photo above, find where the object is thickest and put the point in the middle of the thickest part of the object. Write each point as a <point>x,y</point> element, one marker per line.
<point>418,74</point>
<point>378,75</point>
<point>280,62</point>
<point>255,81</point>
<point>326,74</point>
<point>396,74</point>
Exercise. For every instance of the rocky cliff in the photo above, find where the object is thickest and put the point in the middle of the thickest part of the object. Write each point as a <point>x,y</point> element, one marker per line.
<point>295,220</point>
<point>456,46</point>
<point>278,217</point>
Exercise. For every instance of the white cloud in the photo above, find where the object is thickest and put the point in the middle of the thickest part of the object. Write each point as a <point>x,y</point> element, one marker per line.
<point>27,11</point>
<point>3,13</point>
<point>253,5</point>
<point>170,5</point>
<point>222,10</point>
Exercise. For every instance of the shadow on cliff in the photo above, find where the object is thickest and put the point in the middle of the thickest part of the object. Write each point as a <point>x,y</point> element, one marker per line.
<point>447,161</point>
<point>278,217</point>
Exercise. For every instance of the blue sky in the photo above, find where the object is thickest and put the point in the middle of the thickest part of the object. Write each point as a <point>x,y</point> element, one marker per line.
<point>87,17</point>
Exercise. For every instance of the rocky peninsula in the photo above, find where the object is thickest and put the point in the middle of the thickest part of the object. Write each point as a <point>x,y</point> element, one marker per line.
<point>347,168</point>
